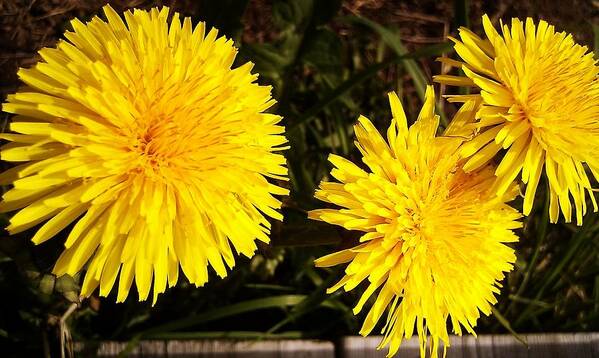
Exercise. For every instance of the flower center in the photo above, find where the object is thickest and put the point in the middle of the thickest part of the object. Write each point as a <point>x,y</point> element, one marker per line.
<point>157,145</point>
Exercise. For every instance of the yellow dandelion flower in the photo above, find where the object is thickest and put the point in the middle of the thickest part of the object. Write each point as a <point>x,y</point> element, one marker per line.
<point>433,242</point>
<point>142,135</point>
<point>539,97</point>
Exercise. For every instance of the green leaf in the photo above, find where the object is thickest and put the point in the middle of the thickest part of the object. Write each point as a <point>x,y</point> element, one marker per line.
<point>393,40</point>
<point>212,315</point>
<point>566,257</point>
<point>360,77</point>
<point>585,234</point>
<point>264,286</point>
<point>227,311</point>
<point>317,298</point>
<point>537,303</point>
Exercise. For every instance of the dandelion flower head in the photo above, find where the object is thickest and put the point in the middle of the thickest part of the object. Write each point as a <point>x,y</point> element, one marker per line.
<point>433,236</point>
<point>142,135</point>
<point>539,97</point>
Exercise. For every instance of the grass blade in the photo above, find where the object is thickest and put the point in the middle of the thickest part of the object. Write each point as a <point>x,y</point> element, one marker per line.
<point>462,13</point>
<point>212,315</point>
<point>506,324</point>
<point>360,77</point>
<point>318,298</point>
<point>227,311</point>
<point>393,40</point>
<point>542,233</point>
<point>576,243</point>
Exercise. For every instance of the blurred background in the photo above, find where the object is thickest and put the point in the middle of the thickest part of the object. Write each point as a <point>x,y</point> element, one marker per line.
<point>328,61</point>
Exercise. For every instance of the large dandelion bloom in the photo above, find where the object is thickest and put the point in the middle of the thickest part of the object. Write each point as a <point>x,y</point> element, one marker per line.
<point>539,97</point>
<point>433,242</point>
<point>142,135</point>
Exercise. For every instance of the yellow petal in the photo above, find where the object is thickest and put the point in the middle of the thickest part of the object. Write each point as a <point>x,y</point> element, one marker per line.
<point>58,222</point>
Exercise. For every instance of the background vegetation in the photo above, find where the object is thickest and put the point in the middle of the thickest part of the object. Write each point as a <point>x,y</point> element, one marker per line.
<point>328,61</point>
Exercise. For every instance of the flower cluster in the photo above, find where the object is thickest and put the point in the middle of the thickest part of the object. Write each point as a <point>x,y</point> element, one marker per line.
<point>433,210</point>
<point>138,137</point>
